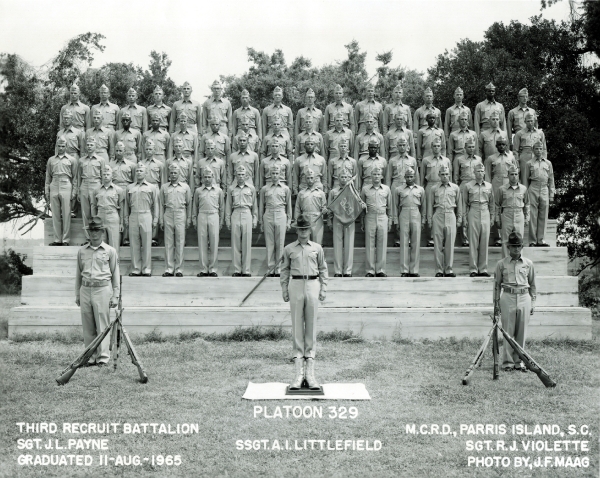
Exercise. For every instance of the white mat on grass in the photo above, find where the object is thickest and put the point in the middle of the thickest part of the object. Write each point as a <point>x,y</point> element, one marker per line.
<point>333,391</point>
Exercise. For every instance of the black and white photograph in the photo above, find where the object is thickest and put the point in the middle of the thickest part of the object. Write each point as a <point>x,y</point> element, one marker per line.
<point>322,238</point>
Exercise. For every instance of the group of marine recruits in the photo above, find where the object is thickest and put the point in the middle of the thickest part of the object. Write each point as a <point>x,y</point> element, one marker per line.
<point>135,169</point>
<point>209,166</point>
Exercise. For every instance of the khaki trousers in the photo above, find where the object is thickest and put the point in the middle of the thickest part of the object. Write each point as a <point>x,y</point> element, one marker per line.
<point>125,234</point>
<point>317,227</point>
<point>512,218</point>
<point>304,303</point>
<point>409,222</point>
<point>140,233</point>
<point>112,223</point>
<point>87,190</point>
<point>538,211</point>
<point>496,183</point>
<point>60,205</point>
<point>343,246</point>
<point>208,236</point>
<point>95,318</point>
<point>515,310</point>
<point>274,225</point>
<point>395,184</point>
<point>376,234</point>
<point>444,235</point>
<point>524,156</point>
<point>479,237</point>
<point>174,224</point>
<point>241,239</point>
<point>427,189</point>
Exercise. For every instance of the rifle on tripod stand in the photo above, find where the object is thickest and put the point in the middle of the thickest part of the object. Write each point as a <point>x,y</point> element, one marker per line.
<point>118,334</point>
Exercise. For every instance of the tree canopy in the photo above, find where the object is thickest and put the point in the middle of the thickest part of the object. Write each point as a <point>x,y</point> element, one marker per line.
<point>268,71</point>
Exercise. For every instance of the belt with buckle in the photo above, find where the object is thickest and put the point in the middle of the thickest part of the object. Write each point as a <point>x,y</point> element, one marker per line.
<point>305,277</point>
<point>515,290</point>
<point>94,283</point>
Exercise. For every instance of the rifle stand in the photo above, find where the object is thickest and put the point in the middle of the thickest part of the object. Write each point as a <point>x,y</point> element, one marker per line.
<point>117,335</point>
<point>304,390</point>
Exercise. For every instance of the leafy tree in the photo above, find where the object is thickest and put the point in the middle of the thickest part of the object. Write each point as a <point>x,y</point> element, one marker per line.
<point>12,268</point>
<point>30,106</point>
<point>547,58</point>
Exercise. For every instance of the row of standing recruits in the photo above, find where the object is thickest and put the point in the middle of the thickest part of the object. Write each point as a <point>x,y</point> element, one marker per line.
<point>141,206</point>
<point>215,118</point>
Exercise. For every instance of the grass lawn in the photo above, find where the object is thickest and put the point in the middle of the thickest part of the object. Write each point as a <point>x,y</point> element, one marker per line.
<point>200,381</point>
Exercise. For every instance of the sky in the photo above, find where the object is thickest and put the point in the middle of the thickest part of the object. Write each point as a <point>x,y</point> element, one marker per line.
<point>208,39</point>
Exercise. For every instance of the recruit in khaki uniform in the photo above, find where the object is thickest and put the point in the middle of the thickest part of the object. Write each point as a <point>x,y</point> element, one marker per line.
<point>453,114</point>
<point>185,165</point>
<point>252,139</point>
<point>515,277</point>
<point>367,163</point>
<point>486,142</point>
<point>264,174</point>
<point>420,117</point>
<point>479,209</point>
<point>336,108</point>
<point>333,137</point>
<point>393,109</point>
<point>123,175</point>
<point>539,179</point>
<point>484,110</point>
<point>343,234</point>
<point>512,207</point>
<point>497,172</point>
<point>96,289</point>
<point>303,285</point>
<point>430,177</point>
<point>337,165</point>
<point>312,204</point>
<point>245,158</point>
<point>61,171</point>
<point>523,143</point>
<point>397,130</point>
<point>515,120</point>
<point>189,108</point>
<point>241,216</point>
<point>279,134</point>
<point>443,199</point>
<point>108,110</point>
<point>104,136</point>
<point>313,161</point>
<point>130,137</point>
<point>74,136</point>
<point>175,216</point>
<point>309,110</point>
<point>368,107</point>
<point>395,175</point>
<point>427,136</point>
<point>159,109</point>
<point>189,138</point>
<point>159,137</point>
<point>461,153</point>
<point>274,217</point>
<point>80,111</point>
<point>277,109</point>
<point>221,140</point>
<point>108,203</point>
<point>155,175</point>
<point>219,108</point>
<point>376,223</point>
<point>307,133</point>
<point>215,164</point>
<point>253,115</point>
<point>138,114</point>
<point>411,206</point>
<point>141,216</point>
<point>208,214</point>
<point>89,178</point>
<point>361,145</point>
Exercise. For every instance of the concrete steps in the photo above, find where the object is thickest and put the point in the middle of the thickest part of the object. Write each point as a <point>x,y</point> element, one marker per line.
<point>60,261</point>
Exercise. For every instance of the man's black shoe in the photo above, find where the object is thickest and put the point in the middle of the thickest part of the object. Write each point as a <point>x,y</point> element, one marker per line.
<point>55,244</point>
<point>167,274</point>
<point>338,275</point>
<point>178,274</point>
<point>473,274</point>
<point>404,274</point>
<point>213,274</point>
<point>201,274</point>
<point>484,274</point>
<point>133,274</point>
<point>369,275</point>
<point>347,275</point>
<point>452,274</point>
<point>246,275</point>
<point>439,274</point>
<point>236,274</point>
